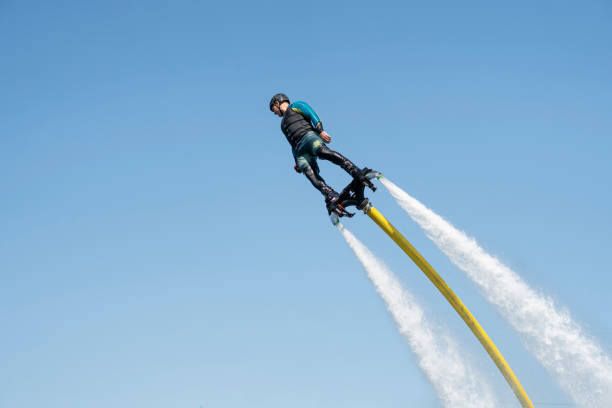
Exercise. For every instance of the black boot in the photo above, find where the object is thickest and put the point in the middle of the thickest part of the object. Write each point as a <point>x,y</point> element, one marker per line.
<point>360,176</point>
<point>363,179</point>
<point>331,198</point>
<point>330,194</point>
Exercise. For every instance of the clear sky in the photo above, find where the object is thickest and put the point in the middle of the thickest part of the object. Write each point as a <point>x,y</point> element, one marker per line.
<point>157,249</point>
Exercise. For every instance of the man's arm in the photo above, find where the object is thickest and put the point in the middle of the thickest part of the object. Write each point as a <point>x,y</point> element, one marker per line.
<point>309,113</point>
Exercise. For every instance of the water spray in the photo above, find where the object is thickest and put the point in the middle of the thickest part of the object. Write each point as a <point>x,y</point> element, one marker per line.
<point>456,383</point>
<point>353,195</point>
<point>579,364</point>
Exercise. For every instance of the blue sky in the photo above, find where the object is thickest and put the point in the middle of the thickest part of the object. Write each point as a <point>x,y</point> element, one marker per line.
<point>158,250</point>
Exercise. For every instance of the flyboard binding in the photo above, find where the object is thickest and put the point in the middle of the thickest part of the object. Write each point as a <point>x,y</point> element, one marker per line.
<point>352,195</point>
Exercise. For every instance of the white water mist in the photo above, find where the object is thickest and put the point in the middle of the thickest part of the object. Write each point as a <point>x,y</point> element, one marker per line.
<point>579,364</point>
<point>457,384</point>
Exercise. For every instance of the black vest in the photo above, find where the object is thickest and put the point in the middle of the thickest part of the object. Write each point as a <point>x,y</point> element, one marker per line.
<point>294,126</point>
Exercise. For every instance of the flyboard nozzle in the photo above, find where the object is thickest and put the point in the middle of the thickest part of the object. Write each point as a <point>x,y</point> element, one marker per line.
<point>334,218</point>
<point>374,174</point>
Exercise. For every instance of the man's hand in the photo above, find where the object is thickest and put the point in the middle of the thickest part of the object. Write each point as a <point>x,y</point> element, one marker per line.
<point>325,136</point>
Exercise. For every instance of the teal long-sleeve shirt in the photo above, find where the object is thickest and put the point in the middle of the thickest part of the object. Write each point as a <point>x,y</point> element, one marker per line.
<point>306,110</point>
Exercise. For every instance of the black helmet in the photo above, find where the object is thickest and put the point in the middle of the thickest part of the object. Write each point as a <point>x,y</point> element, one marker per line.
<point>280,98</point>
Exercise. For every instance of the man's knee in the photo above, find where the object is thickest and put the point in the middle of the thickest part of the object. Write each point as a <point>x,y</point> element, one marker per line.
<point>301,163</point>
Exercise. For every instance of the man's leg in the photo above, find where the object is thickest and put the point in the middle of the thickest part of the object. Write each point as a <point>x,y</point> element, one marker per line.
<point>318,182</point>
<point>326,153</point>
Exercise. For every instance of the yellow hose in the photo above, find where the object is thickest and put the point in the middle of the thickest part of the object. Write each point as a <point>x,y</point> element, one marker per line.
<point>459,307</point>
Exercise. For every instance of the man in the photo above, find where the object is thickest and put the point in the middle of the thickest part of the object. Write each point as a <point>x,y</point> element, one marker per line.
<point>304,132</point>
